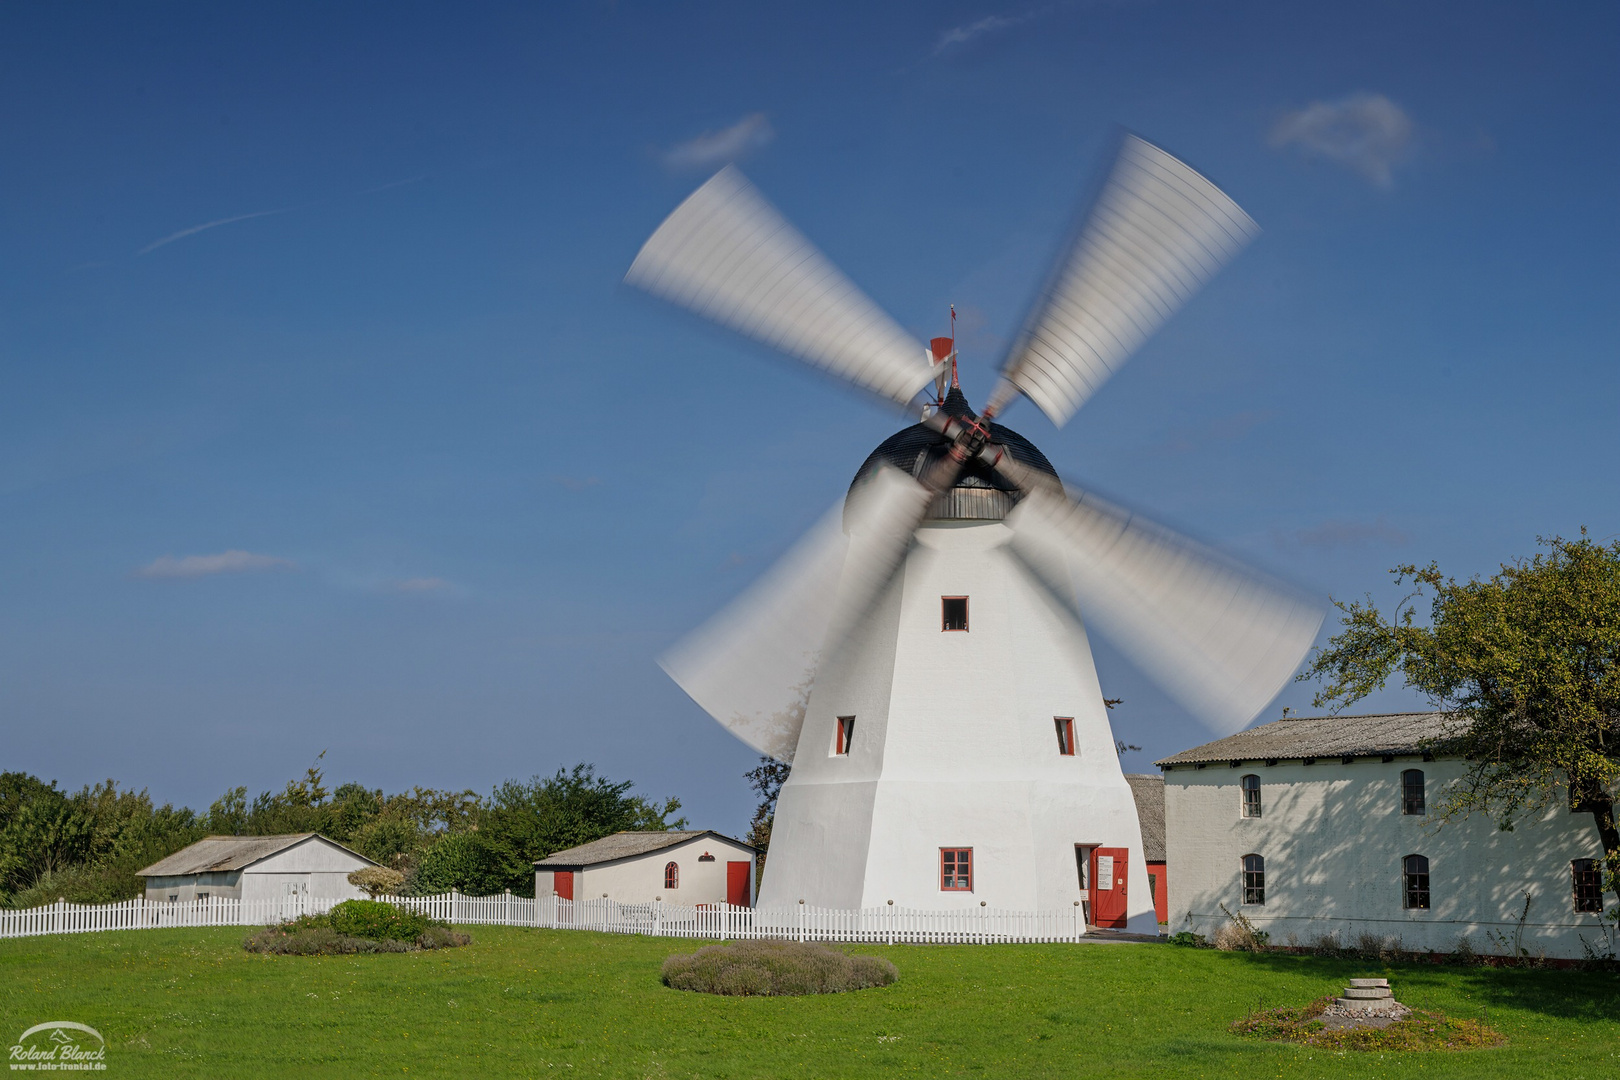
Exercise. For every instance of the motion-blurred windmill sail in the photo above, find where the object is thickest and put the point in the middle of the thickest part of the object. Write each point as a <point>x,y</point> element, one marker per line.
<point>1221,638</point>
<point>726,254</point>
<point>750,667</point>
<point>1156,233</point>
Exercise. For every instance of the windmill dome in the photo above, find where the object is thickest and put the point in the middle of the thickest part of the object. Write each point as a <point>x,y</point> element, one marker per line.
<point>979,494</point>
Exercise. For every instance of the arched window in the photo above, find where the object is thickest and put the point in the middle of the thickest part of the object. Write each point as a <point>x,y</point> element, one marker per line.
<point>1588,884</point>
<point>1251,795</point>
<point>1412,792</point>
<point>672,876</point>
<point>1415,883</point>
<point>1254,879</point>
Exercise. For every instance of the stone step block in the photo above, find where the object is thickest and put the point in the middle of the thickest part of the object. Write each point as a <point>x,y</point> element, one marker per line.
<point>1367,993</point>
<point>1361,984</point>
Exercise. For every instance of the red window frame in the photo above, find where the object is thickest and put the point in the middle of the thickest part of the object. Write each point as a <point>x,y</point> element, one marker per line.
<point>955,869</point>
<point>1065,735</point>
<point>672,875</point>
<point>844,736</point>
<point>944,621</point>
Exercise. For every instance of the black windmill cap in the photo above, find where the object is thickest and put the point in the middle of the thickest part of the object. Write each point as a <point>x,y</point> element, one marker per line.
<point>913,449</point>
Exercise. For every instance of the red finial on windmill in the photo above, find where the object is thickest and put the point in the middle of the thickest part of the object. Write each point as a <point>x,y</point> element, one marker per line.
<point>944,348</point>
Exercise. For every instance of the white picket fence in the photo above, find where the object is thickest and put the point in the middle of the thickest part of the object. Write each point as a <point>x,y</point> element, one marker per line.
<point>720,922</point>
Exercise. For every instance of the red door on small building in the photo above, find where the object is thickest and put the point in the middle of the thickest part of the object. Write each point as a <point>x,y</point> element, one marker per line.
<point>1161,891</point>
<point>737,883</point>
<point>563,884</point>
<point>1108,886</point>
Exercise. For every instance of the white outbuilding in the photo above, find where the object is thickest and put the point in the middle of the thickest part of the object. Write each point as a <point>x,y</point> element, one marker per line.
<point>678,867</point>
<point>251,868</point>
<point>1326,825</point>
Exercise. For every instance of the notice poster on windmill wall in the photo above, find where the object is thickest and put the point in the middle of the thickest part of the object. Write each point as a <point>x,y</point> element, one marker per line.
<point>1105,871</point>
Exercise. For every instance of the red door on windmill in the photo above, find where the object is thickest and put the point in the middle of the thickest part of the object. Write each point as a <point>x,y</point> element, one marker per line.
<point>1108,886</point>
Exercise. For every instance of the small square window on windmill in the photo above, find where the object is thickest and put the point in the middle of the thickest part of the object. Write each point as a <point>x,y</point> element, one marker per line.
<point>958,497</point>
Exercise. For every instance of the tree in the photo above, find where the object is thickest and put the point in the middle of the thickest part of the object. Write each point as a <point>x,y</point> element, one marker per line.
<point>1120,745</point>
<point>376,881</point>
<point>523,822</point>
<point>767,779</point>
<point>1528,663</point>
<point>464,861</point>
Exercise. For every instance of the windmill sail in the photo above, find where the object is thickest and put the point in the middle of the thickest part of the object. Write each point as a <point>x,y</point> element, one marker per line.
<point>751,666</point>
<point>1157,231</point>
<point>1222,639</point>
<point>728,255</point>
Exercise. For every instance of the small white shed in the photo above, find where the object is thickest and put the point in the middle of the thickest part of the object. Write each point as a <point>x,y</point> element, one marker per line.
<point>686,868</point>
<point>256,868</point>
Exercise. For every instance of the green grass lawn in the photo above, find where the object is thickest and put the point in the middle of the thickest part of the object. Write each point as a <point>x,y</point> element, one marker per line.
<point>179,1003</point>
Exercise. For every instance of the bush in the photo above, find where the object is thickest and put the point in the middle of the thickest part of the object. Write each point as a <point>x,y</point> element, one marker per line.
<point>442,937</point>
<point>80,885</point>
<point>341,934</point>
<point>1240,935</point>
<point>378,921</point>
<point>375,881</point>
<point>317,941</point>
<point>1327,945</point>
<point>773,968</point>
<point>1188,940</point>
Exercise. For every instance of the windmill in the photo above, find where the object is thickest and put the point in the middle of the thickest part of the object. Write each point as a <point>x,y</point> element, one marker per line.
<point>920,656</point>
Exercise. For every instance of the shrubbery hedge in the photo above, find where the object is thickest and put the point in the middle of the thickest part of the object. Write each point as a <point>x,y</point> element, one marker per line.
<point>775,968</point>
<point>378,920</point>
<point>356,926</point>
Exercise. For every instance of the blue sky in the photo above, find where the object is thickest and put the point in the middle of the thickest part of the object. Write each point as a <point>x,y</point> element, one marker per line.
<point>325,422</point>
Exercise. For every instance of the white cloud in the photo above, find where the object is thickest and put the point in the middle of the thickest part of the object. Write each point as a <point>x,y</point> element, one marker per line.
<point>226,562</point>
<point>1365,132</point>
<point>958,36</point>
<point>183,233</point>
<point>418,585</point>
<point>719,147</point>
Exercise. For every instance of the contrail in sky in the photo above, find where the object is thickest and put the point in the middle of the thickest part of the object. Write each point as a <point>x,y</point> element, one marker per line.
<point>183,233</point>
<point>195,229</point>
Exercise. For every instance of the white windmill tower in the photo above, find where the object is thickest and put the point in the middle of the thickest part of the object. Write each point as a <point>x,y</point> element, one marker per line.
<point>920,655</point>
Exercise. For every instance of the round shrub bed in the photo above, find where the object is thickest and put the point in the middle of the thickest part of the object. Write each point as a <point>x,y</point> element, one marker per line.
<point>356,926</point>
<point>1422,1030</point>
<point>775,968</point>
